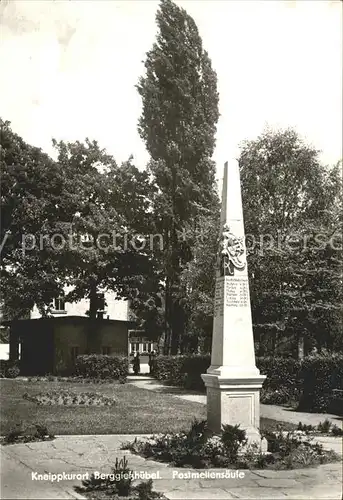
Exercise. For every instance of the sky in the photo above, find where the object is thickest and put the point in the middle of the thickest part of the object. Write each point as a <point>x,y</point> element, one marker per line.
<point>69,70</point>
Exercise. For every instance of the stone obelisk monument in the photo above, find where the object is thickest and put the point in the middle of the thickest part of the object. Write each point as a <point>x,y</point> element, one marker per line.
<point>232,381</point>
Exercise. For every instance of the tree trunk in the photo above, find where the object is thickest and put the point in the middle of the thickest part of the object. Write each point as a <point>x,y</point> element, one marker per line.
<point>301,347</point>
<point>14,346</point>
<point>93,306</point>
<point>167,317</point>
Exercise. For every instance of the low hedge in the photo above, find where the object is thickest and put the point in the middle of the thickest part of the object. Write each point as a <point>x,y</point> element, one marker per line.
<point>183,371</point>
<point>101,366</point>
<point>320,375</point>
<point>309,382</point>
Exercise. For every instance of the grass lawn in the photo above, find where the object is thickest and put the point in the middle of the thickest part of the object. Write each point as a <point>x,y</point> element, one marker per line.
<point>137,411</point>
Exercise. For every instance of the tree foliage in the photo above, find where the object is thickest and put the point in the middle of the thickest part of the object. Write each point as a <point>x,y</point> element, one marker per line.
<point>178,125</point>
<point>292,224</point>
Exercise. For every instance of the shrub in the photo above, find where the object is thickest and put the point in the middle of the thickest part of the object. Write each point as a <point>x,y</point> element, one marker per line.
<point>102,366</point>
<point>324,427</point>
<point>233,438</point>
<point>13,372</point>
<point>282,379</point>
<point>118,485</point>
<point>305,428</point>
<point>9,369</point>
<point>320,375</point>
<point>184,371</point>
<point>145,491</point>
<point>336,431</point>
<point>22,434</point>
<point>169,369</point>
<point>279,396</point>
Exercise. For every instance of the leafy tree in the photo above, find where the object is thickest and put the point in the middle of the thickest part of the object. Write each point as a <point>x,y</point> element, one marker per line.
<point>289,201</point>
<point>31,186</point>
<point>178,125</point>
<point>106,206</point>
<point>63,223</point>
<point>198,284</point>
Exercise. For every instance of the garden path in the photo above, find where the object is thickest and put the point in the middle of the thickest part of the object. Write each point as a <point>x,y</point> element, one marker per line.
<point>82,454</point>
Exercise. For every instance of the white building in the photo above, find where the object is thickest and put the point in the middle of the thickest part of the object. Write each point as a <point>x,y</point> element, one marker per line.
<point>109,307</point>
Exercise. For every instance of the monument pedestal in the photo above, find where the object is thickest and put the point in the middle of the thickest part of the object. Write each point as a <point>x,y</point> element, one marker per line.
<point>235,401</point>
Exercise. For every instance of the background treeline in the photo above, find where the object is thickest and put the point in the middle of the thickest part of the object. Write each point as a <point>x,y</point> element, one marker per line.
<point>292,208</point>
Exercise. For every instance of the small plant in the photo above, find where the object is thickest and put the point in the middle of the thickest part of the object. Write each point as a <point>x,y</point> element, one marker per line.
<point>13,372</point>
<point>324,427</point>
<point>336,431</point>
<point>145,491</point>
<point>42,432</point>
<point>305,428</point>
<point>123,481</point>
<point>118,485</point>
<point>254,458</point>
<point>233,438</point>
<point>20,434</point>
<point>13,436</point>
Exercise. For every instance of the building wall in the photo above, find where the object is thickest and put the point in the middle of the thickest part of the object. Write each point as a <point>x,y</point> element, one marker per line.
<point>37,346</point>
<point>4,351</point>
<point>88,339</point>
<point>66,336</point>
<point>114,336</point>
<point>115,309</point>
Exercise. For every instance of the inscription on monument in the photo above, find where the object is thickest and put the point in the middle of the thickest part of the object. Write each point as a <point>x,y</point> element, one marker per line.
<point>219,297</point>
<point>233,292</point>
<point>236,292</point>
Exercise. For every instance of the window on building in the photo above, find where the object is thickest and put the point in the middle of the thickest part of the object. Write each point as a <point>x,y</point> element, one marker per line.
<point>74,353</point>
<point>106,350</point>
<point>59,303</point>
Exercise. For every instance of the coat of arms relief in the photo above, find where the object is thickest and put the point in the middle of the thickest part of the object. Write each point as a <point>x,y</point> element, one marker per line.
<point>231,253</point>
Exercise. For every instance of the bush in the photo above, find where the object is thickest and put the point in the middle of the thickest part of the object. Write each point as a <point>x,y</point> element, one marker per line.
<point>22,434</point>
<point>102,367</point>
<point>281,396</point>
<point>9,369</point>
<point>183,371</point>
<point>118,485</point>
<point>13,372</point>
<point>233,438</point>
<point>320,375</point>
<point>336,431</point>
<point>282,373</point>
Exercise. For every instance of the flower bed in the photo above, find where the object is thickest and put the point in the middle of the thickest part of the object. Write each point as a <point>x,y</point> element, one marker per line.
<point>69,398</point>
<point>199,448</point>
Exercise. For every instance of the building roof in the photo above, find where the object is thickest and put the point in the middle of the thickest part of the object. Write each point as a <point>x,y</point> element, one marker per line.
<point>66,319</point>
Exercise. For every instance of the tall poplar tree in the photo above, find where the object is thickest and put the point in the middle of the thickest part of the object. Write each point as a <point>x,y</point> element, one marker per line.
<point>178,125</point>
